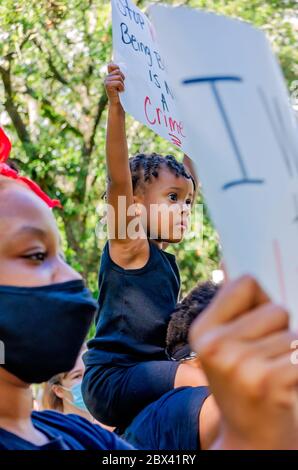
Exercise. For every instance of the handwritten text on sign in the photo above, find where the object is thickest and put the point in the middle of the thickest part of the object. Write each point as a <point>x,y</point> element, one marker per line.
<point>147,97</point>
<point>243,135</point>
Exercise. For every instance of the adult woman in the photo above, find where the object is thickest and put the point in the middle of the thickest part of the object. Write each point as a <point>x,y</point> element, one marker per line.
<point>45,313</point>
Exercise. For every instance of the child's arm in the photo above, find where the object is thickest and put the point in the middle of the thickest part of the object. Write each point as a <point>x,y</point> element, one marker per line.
<point>124,251</point>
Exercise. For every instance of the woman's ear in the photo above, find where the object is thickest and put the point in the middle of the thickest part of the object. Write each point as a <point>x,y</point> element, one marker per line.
<point>58,391</point>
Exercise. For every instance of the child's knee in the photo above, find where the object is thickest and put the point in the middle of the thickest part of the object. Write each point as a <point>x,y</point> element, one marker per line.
<point>189,376</point>
<point>93,394</point>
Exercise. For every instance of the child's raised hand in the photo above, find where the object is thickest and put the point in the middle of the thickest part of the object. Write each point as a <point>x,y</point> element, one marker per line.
<point>114,84</point>
<point>244,345</point>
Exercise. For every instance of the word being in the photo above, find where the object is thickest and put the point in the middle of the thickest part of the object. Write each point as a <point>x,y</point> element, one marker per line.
<point>155,115</point>
<point>168,222</point>
<point>212,82</point>
<point>132,14</point>
<point>2,353</point>
<point>138,46</point>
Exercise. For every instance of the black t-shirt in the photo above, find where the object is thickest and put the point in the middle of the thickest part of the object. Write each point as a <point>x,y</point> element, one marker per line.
<point>170,423</point>
<point>134,310</point>
<point>65,432</point>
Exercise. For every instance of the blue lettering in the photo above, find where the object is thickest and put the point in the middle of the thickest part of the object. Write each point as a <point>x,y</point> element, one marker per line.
<point>279,131</point>
<point>137,46</point>
<point>159,60</point>
<point>212,81</point>
<point>154,78</point>
<point>133,15</point>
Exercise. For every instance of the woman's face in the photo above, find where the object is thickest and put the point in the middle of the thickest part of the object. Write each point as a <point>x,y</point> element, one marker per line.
<point>30,250</point>
<point>75,376</point>
<point>63,390</point>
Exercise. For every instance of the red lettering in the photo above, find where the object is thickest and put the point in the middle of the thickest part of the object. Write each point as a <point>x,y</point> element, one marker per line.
<point>158,111</point>
<point>175,126</point>
<point>181,129</point>
<point>158,116</point>
<point>148,101</point>
<point>175,140</point>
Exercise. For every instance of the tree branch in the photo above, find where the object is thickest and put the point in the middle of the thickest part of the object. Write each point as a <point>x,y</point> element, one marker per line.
<point>87,149</point>
<point>100,109</point>
<point>12,110</point>
<point>52,114</point>
<point>71,238</point>
<point>56,74</point>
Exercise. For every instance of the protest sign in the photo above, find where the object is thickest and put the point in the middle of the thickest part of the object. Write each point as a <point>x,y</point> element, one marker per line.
<point>242,135</point>
<point>148,96</point>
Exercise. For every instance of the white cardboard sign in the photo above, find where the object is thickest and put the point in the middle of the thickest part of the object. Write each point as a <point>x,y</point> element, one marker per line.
<point>148,96</point>
<point>243,136</point>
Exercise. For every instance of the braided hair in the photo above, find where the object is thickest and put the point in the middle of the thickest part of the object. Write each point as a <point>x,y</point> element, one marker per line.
<point>145,167</point>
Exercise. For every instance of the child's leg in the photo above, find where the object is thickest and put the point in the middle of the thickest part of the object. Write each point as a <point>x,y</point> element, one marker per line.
<point>116,394</point>
<point>190,376</point>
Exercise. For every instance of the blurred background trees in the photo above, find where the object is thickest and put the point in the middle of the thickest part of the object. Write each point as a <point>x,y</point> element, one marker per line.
<point>53,55</point>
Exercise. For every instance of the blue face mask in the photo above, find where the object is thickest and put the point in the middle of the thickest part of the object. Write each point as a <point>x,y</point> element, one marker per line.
<point>77,397</point>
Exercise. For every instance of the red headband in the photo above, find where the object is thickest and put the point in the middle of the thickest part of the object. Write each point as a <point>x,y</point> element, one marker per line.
<point>6,170</point>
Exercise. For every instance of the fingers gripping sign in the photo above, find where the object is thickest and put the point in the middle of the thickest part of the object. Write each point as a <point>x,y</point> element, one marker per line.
<point>114,83</point>
<point>244,344</point>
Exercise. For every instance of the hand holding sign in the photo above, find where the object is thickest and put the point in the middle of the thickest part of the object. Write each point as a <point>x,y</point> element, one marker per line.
<point>114,84</point>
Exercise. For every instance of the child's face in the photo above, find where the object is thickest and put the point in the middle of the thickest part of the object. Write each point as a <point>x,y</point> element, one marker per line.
<point>30,251</point>
<point>168,200</point>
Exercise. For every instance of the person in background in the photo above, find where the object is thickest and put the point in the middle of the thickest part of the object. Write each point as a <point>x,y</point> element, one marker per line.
<point>63,392</point>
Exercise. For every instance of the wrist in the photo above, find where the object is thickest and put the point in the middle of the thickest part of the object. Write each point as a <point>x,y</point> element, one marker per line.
<point>116,107</point>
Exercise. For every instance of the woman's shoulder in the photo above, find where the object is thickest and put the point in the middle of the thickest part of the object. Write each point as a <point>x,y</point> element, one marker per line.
<point>80,429</point>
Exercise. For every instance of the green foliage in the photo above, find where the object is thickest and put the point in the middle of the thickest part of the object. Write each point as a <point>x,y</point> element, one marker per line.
<point>52,58</point>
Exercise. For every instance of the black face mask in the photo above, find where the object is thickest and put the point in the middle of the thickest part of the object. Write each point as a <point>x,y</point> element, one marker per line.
<point>43,328</point>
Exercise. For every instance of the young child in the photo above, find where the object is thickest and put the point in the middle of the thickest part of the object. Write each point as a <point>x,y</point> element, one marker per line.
<point>126,365</point>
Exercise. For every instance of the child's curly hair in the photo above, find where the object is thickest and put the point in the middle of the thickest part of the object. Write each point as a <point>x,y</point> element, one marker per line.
<point>186,312</point>
<point>144,167</point>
